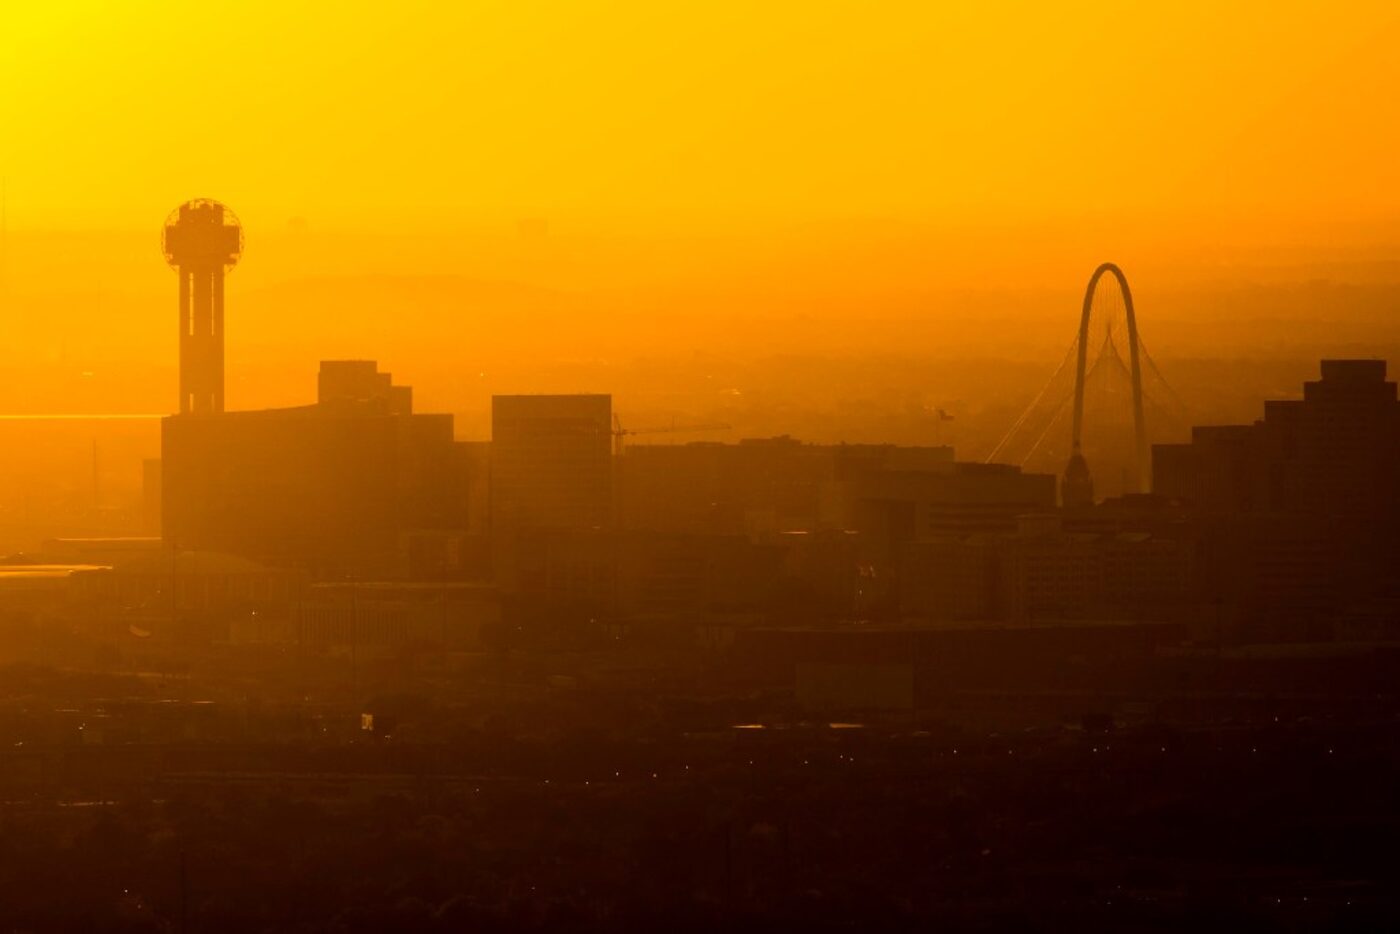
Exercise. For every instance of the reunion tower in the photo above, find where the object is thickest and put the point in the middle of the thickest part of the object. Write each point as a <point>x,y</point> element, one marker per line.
<point>202,241</point>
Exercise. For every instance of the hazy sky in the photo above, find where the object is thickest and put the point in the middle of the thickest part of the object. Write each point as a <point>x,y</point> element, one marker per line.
<point>755,176</point>
<point>397,115</point>
<point>804,176</point>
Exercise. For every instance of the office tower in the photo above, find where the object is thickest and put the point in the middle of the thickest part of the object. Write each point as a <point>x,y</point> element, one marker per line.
<point>340,488</point>
<point>551,461</point>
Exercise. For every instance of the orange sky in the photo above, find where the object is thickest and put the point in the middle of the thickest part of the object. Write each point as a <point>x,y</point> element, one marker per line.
<point>371,115</point>
<point>775,157</point>
<point>608,182</point>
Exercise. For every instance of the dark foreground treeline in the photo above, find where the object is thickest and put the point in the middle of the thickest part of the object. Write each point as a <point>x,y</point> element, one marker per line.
<point>1280,826</point>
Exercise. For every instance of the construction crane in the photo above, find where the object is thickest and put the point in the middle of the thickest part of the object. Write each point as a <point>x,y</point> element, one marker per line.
<point>619,433</point>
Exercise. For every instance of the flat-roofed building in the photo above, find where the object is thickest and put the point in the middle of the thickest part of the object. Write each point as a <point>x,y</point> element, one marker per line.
<point>334,488</point>
<point>551,461</point>
<point>759,485</point>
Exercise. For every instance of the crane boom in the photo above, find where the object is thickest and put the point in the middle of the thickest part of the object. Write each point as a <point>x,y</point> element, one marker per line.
<point>619,433</point>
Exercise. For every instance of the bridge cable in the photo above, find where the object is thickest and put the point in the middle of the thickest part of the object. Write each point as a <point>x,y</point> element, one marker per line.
<point>1016,426</point>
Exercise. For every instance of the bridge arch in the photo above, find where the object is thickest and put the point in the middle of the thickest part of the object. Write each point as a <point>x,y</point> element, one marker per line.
<point>1140,444</point>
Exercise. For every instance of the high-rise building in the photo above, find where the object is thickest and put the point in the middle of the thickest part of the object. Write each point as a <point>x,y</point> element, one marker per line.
<point>349,486</point>
<point>358,385</point>
<point>1298,511</point>
<point>1335,451</point>
<point>760,485</point>
<point>959,499</point>
<point>551,462</point>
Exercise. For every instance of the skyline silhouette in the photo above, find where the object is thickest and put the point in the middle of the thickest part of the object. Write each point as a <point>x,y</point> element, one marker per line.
<point>792,466</point>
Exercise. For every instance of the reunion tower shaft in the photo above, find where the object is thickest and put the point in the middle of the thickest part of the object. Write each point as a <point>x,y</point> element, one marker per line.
<point>203,241</point>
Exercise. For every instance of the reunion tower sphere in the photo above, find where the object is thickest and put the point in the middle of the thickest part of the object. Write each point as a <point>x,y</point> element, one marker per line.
<point>202,229</point>
<point>202,240</point>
